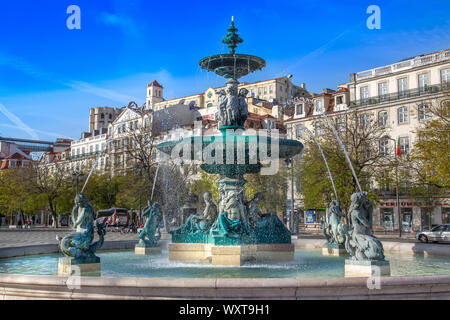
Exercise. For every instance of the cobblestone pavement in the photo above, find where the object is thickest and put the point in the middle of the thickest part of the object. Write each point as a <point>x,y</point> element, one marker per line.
<point>41,235</point>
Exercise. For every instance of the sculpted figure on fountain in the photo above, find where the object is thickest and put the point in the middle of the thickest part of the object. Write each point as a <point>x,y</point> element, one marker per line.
<point>334,231</point>
<point>150,234</point>
<point>366,245</point>
<point>79,245</point>
<point>200,223</point>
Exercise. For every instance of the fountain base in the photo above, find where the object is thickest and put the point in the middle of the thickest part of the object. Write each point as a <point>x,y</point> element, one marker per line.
<point>230,255</point>
<point>147,250</point>
<point>336,250</point>
<point>355,268</point>
<point>71,267</point>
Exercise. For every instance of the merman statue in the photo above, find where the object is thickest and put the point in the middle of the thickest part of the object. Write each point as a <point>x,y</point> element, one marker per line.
<point>148,236</point>
<point>79,245</point>
<point>334,231</point>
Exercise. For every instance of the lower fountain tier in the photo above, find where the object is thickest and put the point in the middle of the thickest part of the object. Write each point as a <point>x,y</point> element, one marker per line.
<point>230,255</point>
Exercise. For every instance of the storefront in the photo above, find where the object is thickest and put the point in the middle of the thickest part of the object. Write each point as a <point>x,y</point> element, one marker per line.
<point>414,216</point>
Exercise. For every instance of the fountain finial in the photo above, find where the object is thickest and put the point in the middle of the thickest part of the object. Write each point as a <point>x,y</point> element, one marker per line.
<point>232,39</point>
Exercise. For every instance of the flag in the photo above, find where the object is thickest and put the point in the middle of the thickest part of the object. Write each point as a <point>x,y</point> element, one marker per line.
<point>399,150</point>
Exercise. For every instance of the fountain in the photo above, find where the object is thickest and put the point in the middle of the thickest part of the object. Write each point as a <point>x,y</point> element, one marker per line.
<point>237,234</point>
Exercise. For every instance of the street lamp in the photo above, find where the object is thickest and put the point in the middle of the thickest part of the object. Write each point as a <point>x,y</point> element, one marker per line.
<point>400,225</point>
<point>77,177</point>
<point>290,163</point>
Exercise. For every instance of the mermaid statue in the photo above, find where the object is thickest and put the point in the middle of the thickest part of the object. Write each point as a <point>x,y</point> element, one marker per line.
<point>366,245</point>
<point>79,245</point>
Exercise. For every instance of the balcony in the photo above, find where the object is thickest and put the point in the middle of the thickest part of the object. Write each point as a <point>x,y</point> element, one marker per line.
<point>84,156</point>
<point>404,65</point>
<point>402,95</point>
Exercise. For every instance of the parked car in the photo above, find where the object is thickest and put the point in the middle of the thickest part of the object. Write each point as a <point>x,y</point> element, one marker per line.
<point>440,233</point>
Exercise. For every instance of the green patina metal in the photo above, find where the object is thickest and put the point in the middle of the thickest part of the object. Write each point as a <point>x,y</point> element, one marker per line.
<point>231,155</point>
<point>232,39</point>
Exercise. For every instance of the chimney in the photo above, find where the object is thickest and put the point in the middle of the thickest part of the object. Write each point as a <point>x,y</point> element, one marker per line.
<point>303,86</point>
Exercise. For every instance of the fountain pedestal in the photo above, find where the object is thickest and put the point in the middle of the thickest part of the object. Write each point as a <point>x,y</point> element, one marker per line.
<point>367,268</point>
<point>230,255</point>
<point>142,250</point>
<point>75,267</point>
<point>336,250</point>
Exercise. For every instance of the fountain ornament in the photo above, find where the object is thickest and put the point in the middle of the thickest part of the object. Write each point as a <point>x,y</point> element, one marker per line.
<point>151,233</point>
<point>232,154</point>
<point>78,249</point>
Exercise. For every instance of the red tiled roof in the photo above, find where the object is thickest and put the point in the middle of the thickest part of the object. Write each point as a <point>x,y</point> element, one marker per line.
<point>16,156</point>
<point>155,84</point>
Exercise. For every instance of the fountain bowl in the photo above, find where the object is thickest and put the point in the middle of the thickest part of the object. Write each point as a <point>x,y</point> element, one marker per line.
<point>232,66</point>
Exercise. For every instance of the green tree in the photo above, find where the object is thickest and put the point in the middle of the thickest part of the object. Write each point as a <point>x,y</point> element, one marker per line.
<point>361,136</point>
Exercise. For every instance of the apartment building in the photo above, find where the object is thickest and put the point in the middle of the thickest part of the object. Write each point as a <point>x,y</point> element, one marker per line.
<point>397,96</point>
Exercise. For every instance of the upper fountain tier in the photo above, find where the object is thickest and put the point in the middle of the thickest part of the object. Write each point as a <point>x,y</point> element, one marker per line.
<point>232,65</point>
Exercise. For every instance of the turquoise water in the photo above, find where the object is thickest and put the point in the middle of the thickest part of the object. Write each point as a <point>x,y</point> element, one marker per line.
<point>307,264</point>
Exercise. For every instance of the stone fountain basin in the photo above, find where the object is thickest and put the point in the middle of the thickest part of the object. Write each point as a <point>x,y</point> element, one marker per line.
<point>19,286</point>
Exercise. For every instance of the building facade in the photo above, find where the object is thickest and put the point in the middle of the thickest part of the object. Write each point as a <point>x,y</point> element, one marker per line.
<point>398,97</point>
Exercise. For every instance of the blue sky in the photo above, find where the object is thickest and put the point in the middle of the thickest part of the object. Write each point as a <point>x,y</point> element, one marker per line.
<point>50,76</point>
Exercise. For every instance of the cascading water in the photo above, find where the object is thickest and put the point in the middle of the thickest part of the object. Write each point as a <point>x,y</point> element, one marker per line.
<point>323,156</point>
<point>343,149</point>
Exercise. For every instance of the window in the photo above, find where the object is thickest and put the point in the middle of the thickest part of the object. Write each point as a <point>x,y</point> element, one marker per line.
<point>318,106</point>
<point>253,93</point>
<point>281,88</point>
<point>445,77</point>
<point>96,148</point>
<point>83,150</point>
<point>383,90</point>
<point>384,146</point>
<point>402,87</point>
<point>319,129</point>
<point>299,109</point>
<point>271,89</point>
<point>404,145</point>
<point>423,82</point>
<point>259,92</point>
<point>423,111</point>
<point>382,118</point>
<point>339,100</point>
<point>102,116</point>
<point>364,120</point>
<point>265,90</point>
<point>340,124</point>
<point>402,115</point>
<point>364,93</point>
<point>299,131</point>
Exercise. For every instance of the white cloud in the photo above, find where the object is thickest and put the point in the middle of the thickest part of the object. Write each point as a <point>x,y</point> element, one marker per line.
<point>18,123</point>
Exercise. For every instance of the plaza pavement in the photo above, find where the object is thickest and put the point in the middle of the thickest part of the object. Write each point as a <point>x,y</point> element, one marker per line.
<point>42,235</point>
<point>38,235</point>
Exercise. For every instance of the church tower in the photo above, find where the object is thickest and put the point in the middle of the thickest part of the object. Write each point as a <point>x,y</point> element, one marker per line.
<point>154,94</point>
